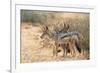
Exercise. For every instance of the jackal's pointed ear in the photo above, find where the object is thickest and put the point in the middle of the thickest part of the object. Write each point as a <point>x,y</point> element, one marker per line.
<point>68,26</point>
<point>44,28</point>
<point>65,27</point>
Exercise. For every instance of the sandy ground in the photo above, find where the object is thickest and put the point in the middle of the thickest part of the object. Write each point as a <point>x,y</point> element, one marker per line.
<point>34,50</point>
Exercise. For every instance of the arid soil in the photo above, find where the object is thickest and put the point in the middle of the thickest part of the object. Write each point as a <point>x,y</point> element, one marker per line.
<point>35,49</point>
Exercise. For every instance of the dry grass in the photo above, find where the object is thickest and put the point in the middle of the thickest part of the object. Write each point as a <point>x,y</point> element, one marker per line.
<point>33,49</point>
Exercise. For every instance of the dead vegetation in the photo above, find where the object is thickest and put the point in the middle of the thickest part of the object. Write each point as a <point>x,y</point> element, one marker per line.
<point>35,49</point>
